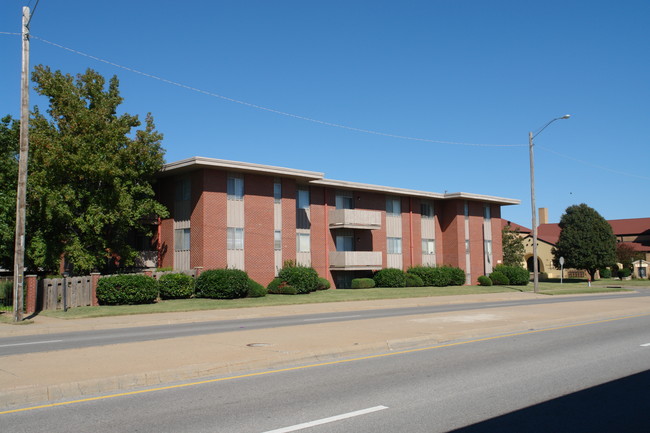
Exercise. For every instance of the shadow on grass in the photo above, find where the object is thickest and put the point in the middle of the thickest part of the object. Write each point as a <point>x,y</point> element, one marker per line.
<point>618,406</point>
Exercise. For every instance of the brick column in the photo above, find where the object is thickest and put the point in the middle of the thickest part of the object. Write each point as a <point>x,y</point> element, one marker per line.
<point>94,279</point>
<point>31,284</point>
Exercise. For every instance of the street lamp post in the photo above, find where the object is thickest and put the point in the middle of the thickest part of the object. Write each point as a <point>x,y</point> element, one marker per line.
<point>531,136</point>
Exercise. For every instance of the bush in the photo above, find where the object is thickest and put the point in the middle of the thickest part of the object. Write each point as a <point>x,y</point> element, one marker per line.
<point>426,274</point>
<point>362,283</point>
<point>176,286</point>
<point>516,275</point>
<point>624,273</point>
<point>304,279</point>
<point>440,277</point>
<point>390,277</point>
<point>413,280</point>
<point>605,273</point>
<point>498,278</point>
<point>484,281</point>
<point>456,275</point>
<point>127,290</point>
<point>255,289</point>
<point>279,287</point>
<point>323,284</point>
<point>7,293</point>
<point>542,276</point>
<point>222,284</point>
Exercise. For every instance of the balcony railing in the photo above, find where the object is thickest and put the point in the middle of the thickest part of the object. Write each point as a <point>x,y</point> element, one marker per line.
<point>354,219</point>
<point>355,260</point>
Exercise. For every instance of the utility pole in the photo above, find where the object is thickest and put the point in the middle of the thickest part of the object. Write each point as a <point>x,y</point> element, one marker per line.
<point>21,193</point>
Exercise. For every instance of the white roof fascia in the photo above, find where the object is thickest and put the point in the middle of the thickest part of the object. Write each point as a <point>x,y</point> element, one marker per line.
<point>377,188</point>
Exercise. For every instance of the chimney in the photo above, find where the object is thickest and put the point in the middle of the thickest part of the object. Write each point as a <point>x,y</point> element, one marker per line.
<point>543,215</point>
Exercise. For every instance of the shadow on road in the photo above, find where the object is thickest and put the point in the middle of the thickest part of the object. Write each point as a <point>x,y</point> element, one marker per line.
<point>619,406</point>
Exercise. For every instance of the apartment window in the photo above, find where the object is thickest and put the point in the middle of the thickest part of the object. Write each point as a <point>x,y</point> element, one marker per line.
<point>235,188</point>
<point>467,246</point>
<point>181,239</point>
<point>277,192</point>
<point>466,210</point>
<point>426,210</point>
<point>394,245</point>
<point>302,242</point>
<point>183,190</point>
<point>344,243</point>
<point>428,246</point>
<point>303,199</point>
<point>393,206</point>
<point>235,238</point>
<point>487,214</point>
<point>488,250</point>
<point>344,201</point>
<point>277,240</point>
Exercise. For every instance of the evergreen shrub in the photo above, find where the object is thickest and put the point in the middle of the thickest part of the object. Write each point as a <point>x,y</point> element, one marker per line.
<point>176,286</point>
<point>304,279</point>
<point>516,275</point>
<point>390,277</point>
<point>222,284</point>
<point>484,281</point>
<point>279,287</point>
<point>456,275</point>
<point>127,290</point>
<point>499,279</point>
<point>362,283</point>
<point>605,273</point>
<point>413,280</point>
<point>426,274</point>
<point>255,289</point>
<point>323,284</point>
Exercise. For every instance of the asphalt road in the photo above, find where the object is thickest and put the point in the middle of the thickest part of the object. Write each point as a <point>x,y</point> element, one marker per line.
<point>580,378</point>
<point>73,340</point>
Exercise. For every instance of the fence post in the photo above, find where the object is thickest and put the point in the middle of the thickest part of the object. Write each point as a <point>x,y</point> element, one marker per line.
<point>32,286</point>
<point>94,279</point>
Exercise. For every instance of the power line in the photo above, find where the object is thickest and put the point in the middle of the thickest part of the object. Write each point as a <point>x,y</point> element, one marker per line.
<point>271,110</point>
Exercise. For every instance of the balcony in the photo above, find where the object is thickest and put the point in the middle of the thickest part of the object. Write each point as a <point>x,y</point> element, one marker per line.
<point>355,260</point>
<point>354,219</point>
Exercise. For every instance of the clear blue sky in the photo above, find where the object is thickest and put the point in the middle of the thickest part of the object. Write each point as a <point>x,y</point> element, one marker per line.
<point>453,71</point>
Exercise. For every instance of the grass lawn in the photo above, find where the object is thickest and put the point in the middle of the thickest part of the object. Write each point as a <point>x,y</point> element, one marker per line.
<point>551,287</point>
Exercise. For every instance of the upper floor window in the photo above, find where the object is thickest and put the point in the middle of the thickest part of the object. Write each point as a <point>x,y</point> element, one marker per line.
<point>466,210</point>
<point>277,240</point>
<point>344,243</point>
<point>487,214</point>
<point>303,199</point>
<point>183,190</point>
<point>344,200</point>
<point>235,238</point>
<point>393,206</point>
<point>277,191</point>
<point>426,210</point>
<point>181,239</point>
<point>394,246</point>
<point>428,246</point>
<point>303,242</point>
<point>235,188</point>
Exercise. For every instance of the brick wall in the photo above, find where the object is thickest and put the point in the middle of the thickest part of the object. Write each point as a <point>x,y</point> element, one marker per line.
<point>259,260</point>
<point>451,219</point>
<point>209,221</point>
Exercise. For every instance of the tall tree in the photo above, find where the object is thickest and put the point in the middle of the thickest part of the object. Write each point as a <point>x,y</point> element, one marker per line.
<point>586,240</point>
<point>626,255</point>
<point>513,247</point>
<point>9,133</point>
<point>90,182</point>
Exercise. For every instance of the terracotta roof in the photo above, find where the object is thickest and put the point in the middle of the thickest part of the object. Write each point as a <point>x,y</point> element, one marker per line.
<point>637,247</point>
<point>630,226</point>
<point>515,226</point>
<point>549,233</point>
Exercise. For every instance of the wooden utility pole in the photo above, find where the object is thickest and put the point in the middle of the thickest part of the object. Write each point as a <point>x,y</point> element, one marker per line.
<point>21,193</point>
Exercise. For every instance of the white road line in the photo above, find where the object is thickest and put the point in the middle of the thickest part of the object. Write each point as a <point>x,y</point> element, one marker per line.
<point>645,345</point>
<point>327,420</point>
<point>329,318</point>
<point>33,342</point>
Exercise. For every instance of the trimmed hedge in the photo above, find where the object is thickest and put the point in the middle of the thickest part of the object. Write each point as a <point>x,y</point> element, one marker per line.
<point>304,279</point>
<point>516,275</point>
<point>499,278</point>
<point>362,283</point>
<point>323,284</point>
<point>484,281</point>
<point>426,274</point>
<point>624,273</point>
<point>255,289</point>
<point>390,277</point>
<point>456,275</point>
<point>605,273</point>
<point>413,280</point>
<point>279,287</point>
<point>127,290</point>
<point>222,284</point>
<point>176,286</point>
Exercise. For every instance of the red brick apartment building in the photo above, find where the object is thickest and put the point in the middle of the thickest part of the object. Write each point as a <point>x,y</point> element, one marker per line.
<point>254,217</point>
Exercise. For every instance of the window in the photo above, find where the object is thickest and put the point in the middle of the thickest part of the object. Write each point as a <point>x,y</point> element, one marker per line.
<point>235,188</point>
<point>344,201</point>
<point>235,239</point>
<point>277,240</point>
<point>466,210</point>
<point>277,191</point>
<point>428,246</point>
<point>183,190</point>
<point>302,242</point>
<point>181,239</point>
<point>394,245</point>
<point>467,246</point>
<point>393,207</point>
<point>426,210</point>
<point>344,243</point>
<point>487,214</point>
<point>303,199</point>
<point>488,250</point>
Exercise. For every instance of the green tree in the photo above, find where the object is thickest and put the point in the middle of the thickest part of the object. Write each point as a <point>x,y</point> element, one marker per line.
<point>586,240</point>
<point>625,255</point>
<point>90,178</point>
<point>9,137</point>
<point>513,247</point>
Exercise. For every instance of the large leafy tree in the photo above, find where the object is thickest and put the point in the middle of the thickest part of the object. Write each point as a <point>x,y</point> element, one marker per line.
<point>586,240</point>
<point>513,247</point>
<point>9,137</point>
<point>90,176</point>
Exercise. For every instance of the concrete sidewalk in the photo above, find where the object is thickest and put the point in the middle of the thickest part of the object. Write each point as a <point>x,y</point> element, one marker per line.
<point>69,374</point>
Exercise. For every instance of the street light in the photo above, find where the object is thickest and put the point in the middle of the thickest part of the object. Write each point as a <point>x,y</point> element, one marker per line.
<point>531,136</point>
